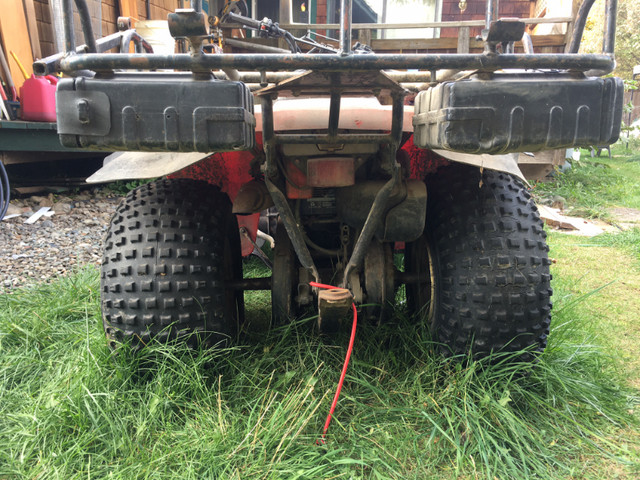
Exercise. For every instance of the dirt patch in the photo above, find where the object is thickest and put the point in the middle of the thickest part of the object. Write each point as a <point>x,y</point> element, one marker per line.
<point>626,218</point>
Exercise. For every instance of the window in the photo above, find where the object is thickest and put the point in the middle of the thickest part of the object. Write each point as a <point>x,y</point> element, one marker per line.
<point>409,11</point>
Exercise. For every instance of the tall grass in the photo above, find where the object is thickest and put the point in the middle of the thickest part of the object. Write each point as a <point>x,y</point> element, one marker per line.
<point>71,409</point>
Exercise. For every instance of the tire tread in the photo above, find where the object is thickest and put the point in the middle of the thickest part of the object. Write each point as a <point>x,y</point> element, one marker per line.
<point>163,261</point>
<point>494,290</point>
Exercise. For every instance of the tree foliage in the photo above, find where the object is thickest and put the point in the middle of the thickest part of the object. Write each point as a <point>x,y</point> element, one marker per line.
<point>627,35</point>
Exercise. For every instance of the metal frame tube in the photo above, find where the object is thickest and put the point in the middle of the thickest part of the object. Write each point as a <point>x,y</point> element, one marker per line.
<point>397,118</point>
<point>69,34</point>
<point>293,229</point>
<point>382,197</point>
<point>578,28</point>
<point>371,224</point>
<point>334,114</point>
<point>527,43</point>
<point>129,36</point>
<point>279,199</point>
<point>320,62</point>
<point>346,16</point>
<point>51,64</point>
<point>354,139</point>
<point>256,47</point>
<point>87,28</point>
<point>611,18</point>
<point>492,12</point>
<point>275,77</point>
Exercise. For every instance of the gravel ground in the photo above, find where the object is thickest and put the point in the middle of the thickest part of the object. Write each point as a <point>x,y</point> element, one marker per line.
<point>55,245</point>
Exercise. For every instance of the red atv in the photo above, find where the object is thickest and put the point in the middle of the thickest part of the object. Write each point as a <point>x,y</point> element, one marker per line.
<point>355,165</point>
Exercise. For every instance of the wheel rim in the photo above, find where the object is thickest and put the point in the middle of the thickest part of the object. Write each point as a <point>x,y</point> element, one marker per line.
<point>422,296</point>
<point>379,279</point>
<point>234,299</point>
<point>284,279</point>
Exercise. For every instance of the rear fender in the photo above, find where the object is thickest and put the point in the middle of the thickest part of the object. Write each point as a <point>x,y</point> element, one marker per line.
<point>423,162</point>
<point>229,171</point>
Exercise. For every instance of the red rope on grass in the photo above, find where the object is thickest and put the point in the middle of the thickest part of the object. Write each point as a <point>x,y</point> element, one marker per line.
<point>346,360</point>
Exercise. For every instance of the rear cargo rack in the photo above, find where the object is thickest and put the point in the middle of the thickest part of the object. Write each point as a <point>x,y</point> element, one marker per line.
<point>346,60</point>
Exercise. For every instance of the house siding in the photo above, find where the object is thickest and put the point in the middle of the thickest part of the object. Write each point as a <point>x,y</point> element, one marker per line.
<point>104,16</point>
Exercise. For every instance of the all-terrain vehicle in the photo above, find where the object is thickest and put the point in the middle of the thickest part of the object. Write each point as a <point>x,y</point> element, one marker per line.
<point>351,165</point>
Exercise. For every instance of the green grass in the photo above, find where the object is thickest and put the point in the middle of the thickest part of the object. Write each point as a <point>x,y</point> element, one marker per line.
<point>71,409</point>
<point>628,240</point>
<point>592,186</point>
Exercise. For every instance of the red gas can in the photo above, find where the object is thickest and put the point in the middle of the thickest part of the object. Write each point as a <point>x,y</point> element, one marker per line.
<point>38,99</point>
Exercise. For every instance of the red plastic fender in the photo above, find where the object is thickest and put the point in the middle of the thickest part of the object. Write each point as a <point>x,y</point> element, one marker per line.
<point>229,171</point>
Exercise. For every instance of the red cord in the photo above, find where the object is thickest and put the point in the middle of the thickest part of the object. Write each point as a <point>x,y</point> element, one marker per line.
<point>346,361</point>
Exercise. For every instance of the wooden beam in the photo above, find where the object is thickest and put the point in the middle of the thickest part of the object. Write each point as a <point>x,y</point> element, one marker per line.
<point>15,38</point>
<point>445,43</point>
<point>364,37</point>
<point>285,14</point>
<point>463,40</point>
<point>403,26</point>
<point>546,41</point>
<point>32,24</point>
<point>452,43</point>
<point>128,8</point>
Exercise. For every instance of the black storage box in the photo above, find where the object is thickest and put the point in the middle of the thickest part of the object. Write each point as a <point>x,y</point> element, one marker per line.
<point>519,113</point>
<point>155,112</point>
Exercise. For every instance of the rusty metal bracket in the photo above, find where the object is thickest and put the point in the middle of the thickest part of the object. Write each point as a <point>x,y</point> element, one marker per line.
<point>190,24</point>
<point>371,224</point>
<point>256,249</point>
<point>502,32</point>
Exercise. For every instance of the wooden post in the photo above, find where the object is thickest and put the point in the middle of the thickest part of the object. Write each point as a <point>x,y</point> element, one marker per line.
<point>383,32</point>
<point>364,36</point>
<point>570,25</point>
<point>15,38</point>
<point>128,8</point>
<point>463,40</point>
<point>285,12</point>
<point>32,26</point>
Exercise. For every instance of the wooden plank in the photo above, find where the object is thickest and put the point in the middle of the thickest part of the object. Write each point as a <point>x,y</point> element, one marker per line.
<point>414,44</point>
<point>452,43</point>
<point>554,219</point>
<point>128,8</point>
<point>444,43</point>
<point>546,41</point>
<point>32,24</point>
<point>364,37</point>
<point>15,38</point>
<point>464,23</point>
<point>463,40</point>
<point>544,157</point>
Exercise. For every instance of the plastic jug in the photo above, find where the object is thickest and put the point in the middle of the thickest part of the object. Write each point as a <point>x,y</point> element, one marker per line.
<point>38,99</point>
